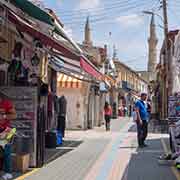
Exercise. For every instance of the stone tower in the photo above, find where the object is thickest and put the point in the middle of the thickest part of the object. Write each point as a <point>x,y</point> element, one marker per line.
<point>152,61</point>
<point>87,35</point>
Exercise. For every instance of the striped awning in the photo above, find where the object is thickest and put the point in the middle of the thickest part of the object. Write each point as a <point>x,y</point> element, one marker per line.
<point>65,81</point>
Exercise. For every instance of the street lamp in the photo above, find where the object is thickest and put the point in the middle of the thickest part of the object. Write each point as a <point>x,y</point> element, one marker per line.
<point>153,13</point>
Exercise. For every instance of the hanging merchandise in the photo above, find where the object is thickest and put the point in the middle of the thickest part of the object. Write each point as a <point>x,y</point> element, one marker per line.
<point>18,70</point>
<point>18,73</point>
<point>14,69</point>
<point>35,60</point>
<point>35,68</point>
<point>2,18</point>
<point>44,89</point>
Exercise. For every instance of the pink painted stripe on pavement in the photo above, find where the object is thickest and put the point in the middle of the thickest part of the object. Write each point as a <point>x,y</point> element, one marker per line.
<point>99,163</point>
<point>121,163</point>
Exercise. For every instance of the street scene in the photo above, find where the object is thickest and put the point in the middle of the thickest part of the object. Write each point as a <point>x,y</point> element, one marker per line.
<point>89,90</point>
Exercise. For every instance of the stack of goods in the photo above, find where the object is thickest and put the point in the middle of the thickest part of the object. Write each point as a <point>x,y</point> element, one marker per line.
<point>174,156</point>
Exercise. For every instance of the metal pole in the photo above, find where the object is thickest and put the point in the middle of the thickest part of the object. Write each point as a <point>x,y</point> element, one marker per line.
<point>166,59</point>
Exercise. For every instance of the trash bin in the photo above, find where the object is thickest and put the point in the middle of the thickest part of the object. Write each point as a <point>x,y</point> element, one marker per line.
<point>50,139</point>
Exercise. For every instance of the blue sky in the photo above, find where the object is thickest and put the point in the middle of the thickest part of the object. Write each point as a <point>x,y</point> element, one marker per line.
<point>129,27</point>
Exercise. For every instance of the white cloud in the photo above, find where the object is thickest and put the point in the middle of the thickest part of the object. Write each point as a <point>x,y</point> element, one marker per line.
<point>69,31</point>
<point>86,4</point>
<point>130,20</point>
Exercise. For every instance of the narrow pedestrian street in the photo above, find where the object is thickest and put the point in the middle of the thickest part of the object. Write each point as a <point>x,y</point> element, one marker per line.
<point>89,90</point>
<point>108,156</point>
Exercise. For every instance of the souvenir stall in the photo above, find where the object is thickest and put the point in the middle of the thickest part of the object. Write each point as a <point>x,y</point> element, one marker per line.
<point>24,84</point>
<point>174,108</point>
<point>174,132</point>
<point>29,59</point>
<point>24,81</point>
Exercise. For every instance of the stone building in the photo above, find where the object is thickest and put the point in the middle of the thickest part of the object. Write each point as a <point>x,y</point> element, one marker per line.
<point>84,101</point>
<point>129,84</point>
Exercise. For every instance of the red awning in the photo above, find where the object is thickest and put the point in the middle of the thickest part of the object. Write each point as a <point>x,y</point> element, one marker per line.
<point>47,40</point>
<point>90,69</point>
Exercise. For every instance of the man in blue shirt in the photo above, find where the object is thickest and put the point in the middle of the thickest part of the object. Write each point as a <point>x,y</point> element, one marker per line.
<point>142,120</point>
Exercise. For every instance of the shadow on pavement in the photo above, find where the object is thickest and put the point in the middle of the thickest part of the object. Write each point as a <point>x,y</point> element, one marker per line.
<point>144,165</point>
<point>70,143</point>
<point>155,127</point>
<point>67,146</point>
<point>128,147</point>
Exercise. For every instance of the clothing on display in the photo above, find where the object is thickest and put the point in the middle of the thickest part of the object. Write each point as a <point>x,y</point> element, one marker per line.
<point>62,108</point>
<point>50,110</point>
<point>17,72</point>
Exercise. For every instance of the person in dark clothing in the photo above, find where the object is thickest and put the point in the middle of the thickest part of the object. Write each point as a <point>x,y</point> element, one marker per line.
<point>62,108</point>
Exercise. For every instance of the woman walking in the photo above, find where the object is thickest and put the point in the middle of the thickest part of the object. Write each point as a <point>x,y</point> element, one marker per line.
<point>107,115</point>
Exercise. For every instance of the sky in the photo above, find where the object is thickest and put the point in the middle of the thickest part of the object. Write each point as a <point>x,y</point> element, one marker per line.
<point>118,23</point>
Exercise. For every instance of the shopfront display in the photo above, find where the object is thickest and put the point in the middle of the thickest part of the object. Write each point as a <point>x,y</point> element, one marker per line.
<point>174,107</point>
<point>25,102</point>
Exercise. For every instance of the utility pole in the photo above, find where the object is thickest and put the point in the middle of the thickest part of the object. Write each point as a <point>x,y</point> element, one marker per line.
<point>166,63</point>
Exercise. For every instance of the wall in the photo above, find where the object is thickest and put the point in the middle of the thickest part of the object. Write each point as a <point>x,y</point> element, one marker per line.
<point>75,107</point>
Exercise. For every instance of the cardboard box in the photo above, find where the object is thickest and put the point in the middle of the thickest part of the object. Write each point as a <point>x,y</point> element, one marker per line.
<point>22,162</point>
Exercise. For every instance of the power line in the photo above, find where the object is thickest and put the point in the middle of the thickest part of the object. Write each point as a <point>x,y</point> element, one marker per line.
<point>99,12</point>
<point>105,15</point>
<point>70,12</point>
<point>107,10</point>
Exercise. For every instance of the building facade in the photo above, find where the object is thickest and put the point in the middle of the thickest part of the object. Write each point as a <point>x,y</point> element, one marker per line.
<point>84,100</point>
<point>129,85</point>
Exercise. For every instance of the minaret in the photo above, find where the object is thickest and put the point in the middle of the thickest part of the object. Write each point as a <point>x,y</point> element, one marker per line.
<point>152,61</point>
<point>114,53</point>
<point>87,36</point>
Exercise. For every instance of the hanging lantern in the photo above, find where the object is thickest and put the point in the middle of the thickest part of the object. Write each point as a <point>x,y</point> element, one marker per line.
<point>35,60</point>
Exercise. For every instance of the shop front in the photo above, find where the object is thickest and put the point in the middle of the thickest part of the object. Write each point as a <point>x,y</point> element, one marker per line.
<point>27,81</point>
<point>29,62</point>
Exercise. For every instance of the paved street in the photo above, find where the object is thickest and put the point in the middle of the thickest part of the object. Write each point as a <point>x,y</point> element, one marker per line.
<point>108,156</point>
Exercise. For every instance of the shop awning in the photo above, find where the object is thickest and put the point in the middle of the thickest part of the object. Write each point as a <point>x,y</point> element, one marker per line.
<point>89,69</point>
<point>65,81</point>
<point>61,67</point>
<point>33,11</point>
<point>37,13</point>
<point>47,40</point>
<point>68,63</point>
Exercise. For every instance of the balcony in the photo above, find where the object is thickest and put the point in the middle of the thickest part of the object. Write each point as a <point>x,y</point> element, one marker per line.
<point>127,86</point>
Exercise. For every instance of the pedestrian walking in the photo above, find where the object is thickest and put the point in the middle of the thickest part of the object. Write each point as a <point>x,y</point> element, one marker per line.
<point>142,120</point>
<point>107,115</point>
<point>125,111</point>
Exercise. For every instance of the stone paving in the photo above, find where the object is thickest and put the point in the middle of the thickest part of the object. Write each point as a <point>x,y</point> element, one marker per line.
<point>108,156</point>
